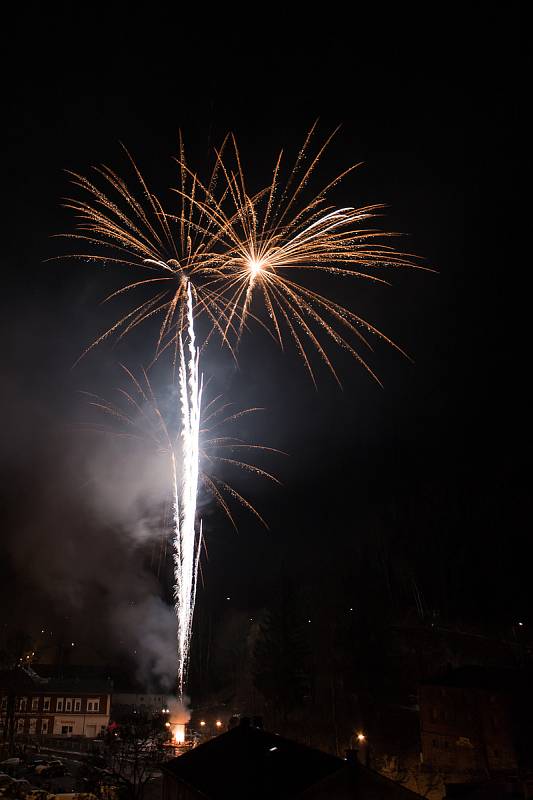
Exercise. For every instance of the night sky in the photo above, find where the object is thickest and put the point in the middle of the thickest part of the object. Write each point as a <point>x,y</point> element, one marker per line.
<point>428,464</point>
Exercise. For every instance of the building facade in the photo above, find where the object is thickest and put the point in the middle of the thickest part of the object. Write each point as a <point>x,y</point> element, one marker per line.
<point>55,708</point>
<point>140,701</point>
<point>466,730</point>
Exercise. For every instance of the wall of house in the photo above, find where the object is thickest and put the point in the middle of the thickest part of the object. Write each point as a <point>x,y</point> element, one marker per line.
<point>465,732</point>
<point>151,702</point>
<point>81,724</point>
<point>61,713</point>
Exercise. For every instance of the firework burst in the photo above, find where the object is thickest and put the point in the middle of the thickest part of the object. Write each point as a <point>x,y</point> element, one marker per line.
<point>126,226</point>
<point>269,241</point>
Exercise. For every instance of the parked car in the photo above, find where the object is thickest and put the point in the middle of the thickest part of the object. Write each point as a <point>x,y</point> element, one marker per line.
<point>40,765</point>
<point>97,760</point>
<point>54,771</point>
<point>44,766</point>
<point>14,787</point>
<point>21,783</point>
<point>74,796</point>
<point>34,760</point>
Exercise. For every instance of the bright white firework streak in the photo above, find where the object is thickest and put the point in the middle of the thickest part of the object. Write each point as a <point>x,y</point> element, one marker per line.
<point>186,541</point>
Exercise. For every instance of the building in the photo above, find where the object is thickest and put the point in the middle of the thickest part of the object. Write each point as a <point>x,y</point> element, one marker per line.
<point>466,725</point>
<point>248,762</point>
<point>35,706</point>
<point>140,701</point>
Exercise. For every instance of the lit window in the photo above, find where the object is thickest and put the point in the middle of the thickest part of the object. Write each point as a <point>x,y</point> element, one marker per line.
<point>93,705</point>
<point>59,704</point>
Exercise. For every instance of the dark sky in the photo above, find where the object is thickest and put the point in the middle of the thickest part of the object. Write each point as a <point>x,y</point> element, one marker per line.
<point>426,464</point>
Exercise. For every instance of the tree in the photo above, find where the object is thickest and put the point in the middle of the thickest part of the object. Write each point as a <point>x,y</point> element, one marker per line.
<point>135,750</point>
<point>281,651</point>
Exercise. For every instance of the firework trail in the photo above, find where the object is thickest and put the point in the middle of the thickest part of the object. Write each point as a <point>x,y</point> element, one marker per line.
<point>193,446</point>
<point>186,540</point>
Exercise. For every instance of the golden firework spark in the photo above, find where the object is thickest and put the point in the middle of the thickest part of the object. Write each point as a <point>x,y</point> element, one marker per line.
<point>119,228</point>
<point>238,251</point>
<point>269,241</point>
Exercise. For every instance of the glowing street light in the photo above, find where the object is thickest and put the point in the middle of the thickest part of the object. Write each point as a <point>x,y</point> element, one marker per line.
<point>361,738</point>
<point>202,723</point>
<point>218,723</point>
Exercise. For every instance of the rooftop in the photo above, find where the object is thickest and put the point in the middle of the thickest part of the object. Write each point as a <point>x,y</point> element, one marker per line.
<point>247,762</point>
